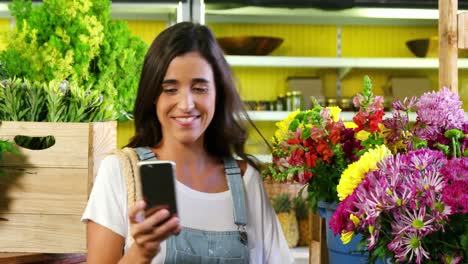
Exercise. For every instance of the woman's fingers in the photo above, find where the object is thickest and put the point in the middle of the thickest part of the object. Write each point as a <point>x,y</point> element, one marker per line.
<point>149,223</point>
<point>159,232</point>
<point>167,229</point>
<point>136,212</point>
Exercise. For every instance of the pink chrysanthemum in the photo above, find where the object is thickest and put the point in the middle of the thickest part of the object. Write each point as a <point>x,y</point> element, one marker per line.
<point>437,112</point>
<point>408,246</point>
<point>340,220</point>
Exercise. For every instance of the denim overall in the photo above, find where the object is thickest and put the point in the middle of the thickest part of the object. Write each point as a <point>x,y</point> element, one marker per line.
<point>193,246</point>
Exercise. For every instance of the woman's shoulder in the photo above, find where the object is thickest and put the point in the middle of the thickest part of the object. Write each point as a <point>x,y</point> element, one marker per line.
<point>250,174</point>
<point>242,165</point>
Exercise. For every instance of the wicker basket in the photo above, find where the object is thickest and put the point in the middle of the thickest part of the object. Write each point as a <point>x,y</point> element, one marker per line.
<point>273,188</point>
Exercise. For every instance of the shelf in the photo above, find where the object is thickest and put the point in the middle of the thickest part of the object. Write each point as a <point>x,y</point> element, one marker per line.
<point>348,16</point>
<point>300,254</point>
<point>164,11</point>
<point>280,115</point>
<point>265,158</point>
<point>344,65</point>
<point>330,62</point>
<point>144,11</point>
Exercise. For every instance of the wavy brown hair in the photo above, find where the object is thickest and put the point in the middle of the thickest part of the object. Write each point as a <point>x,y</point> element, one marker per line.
<point>227,132</point>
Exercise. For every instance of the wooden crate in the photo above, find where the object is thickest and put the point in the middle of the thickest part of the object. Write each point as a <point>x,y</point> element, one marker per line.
<point>51,185</point>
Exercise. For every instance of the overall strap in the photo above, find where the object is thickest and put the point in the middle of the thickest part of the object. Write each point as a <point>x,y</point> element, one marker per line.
<point>236,185</point>
<point>145,153</point>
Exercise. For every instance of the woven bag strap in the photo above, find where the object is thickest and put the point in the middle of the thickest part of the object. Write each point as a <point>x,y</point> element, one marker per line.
<point>128,160</point>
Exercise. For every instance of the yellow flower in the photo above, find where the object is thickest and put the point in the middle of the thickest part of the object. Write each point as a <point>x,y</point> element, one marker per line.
<point>355,172</point>
<point>334,112</point>
<point>283,126</point>
<point>346,237</point>
<point>350,125</point>
<point>355,219</point>
<point>362,135</point>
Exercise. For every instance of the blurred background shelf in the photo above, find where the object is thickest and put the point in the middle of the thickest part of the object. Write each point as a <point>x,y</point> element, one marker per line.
<point>330,62</point>
<point>280,115</point>
<point>300,254</point>
<point>223,13</point>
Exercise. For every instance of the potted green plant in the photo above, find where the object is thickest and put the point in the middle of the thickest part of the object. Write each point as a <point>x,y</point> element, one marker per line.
<point>5,146</point>
<point>67,68</point>
<point>76,41</point>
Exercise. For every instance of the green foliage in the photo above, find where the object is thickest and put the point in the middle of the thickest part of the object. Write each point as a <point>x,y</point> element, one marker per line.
<point>56,101</point>
<point>7,146</point>
<point>282,203</point>
<point>301,207</point>
<point>75,40</point>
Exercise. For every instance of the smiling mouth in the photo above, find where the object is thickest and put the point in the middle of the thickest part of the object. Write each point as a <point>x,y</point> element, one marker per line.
<point>186,119</point>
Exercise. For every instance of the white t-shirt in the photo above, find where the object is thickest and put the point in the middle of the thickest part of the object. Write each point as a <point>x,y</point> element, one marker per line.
<point>107,206</point>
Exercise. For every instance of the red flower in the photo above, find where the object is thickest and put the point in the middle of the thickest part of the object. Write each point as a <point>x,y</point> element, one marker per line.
<point>335,134</point>
<point>360,119</point>
<point>374,120</point>
<point>303,176</point>
<point>324,150</point>
<point>297,157</point>
<point>293,141</point>
<point>311,159</point>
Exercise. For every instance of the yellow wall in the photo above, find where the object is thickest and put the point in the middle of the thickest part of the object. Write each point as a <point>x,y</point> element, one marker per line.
<point>316,41</point>
<point>4,31</point>
<point>304,40</point>
<point>147,30</point>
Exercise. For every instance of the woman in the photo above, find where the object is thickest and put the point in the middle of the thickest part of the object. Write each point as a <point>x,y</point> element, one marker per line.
<point>187,110</point>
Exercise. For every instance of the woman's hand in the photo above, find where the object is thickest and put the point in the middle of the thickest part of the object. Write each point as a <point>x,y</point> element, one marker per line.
<point>148,233</point>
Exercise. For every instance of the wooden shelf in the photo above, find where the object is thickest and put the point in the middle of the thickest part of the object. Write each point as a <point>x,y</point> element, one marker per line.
<point>163,11</point>
<point>331,62</point>
<point>348,16</point>
<point>300,254</point>
<point>280,115</point>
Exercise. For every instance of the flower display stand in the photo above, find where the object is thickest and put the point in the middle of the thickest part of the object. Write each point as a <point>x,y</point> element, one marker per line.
<point>51,185</point>
<point>318,253</point>
<point>337,252</point>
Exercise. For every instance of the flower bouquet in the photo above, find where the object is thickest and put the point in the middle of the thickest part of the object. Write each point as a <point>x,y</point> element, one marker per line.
<point>314,147</point>
<point>307,149</point>
<point>412,205</point>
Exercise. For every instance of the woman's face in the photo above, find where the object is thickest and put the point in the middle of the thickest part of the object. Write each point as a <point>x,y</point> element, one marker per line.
<point>186,105</point>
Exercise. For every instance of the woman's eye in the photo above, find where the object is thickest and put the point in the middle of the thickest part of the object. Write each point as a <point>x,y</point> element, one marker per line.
<point>169,90</point>
<point>200,89</point>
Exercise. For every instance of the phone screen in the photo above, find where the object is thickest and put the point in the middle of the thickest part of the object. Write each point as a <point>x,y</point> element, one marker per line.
<point>158,185</point>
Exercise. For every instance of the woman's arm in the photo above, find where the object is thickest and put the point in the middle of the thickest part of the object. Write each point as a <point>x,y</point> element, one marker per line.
<point>105,246</point>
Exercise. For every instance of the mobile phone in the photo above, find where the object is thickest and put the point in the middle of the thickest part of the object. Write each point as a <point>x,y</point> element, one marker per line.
<point>158,185</point>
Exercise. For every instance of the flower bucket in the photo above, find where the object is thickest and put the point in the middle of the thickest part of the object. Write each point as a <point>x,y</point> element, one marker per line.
<point>337,252</point>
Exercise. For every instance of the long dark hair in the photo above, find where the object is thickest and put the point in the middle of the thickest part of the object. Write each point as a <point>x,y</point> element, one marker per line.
<point>226,134</point>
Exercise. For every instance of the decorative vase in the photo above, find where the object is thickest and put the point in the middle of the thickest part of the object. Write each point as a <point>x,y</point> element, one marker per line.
<point>337,252</point>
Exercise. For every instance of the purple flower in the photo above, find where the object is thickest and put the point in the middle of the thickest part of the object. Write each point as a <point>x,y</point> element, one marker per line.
<point>456,197</point>
<point>64,87</point>
<point>414,220</point>
<point>464,146</point>
<point>406,105</point>
<point>456,170</point>
<point>447,259</point>
<point>396,126</point>
<point>350,144</point>
<point>456,179</point>
<point>340,220</point>
<point>408,246</point>
<point>437,112</point>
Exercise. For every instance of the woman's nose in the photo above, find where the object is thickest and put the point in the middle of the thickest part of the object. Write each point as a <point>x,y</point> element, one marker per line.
<point>186,102</point>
